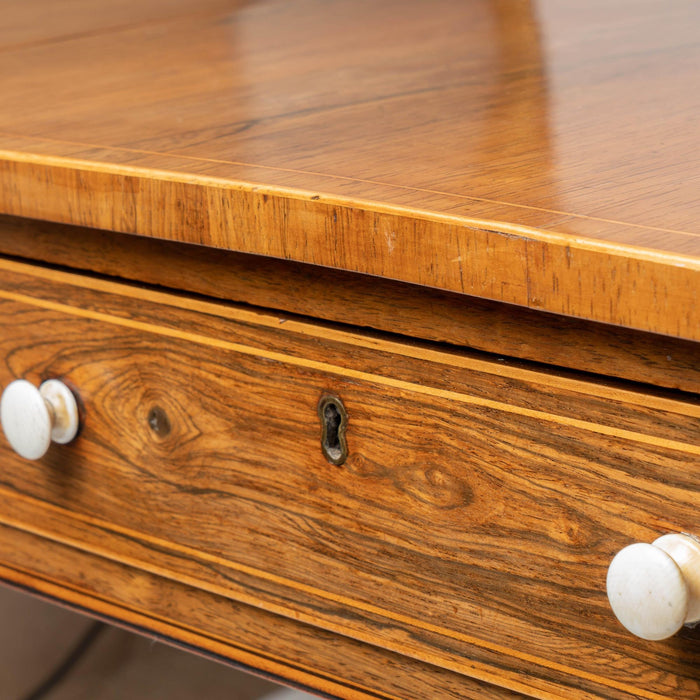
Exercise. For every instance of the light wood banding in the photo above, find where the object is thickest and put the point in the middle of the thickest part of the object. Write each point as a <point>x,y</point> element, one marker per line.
<point>520,156</point>
<point>354,299</point>
<point>452,534</point>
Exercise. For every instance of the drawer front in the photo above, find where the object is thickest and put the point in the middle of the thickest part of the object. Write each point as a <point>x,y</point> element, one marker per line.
<point>470,526</point>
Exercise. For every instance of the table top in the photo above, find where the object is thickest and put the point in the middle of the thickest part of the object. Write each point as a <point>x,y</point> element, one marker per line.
<point>542,154</point>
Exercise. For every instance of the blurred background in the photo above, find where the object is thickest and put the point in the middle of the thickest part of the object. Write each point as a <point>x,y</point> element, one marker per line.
<point>101,662</point>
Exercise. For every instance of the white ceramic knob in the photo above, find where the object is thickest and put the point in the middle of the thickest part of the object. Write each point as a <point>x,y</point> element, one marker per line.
<point>31,418</point>
<point>654,589</point>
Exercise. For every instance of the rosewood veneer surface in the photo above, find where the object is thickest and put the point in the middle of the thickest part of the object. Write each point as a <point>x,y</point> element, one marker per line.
<point>477,223</point>
<point>532,153</point>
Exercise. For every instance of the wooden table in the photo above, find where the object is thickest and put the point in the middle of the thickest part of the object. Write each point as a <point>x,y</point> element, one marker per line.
<point>461,237</point>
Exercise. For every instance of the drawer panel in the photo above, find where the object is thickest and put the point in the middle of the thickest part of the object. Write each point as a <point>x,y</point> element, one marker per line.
<point>270,644</point>
<point>470,527</point>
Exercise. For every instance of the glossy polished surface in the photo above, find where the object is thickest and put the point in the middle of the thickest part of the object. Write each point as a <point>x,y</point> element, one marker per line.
<point>571,126</point>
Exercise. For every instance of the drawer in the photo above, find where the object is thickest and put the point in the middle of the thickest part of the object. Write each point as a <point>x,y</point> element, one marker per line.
<point>470,526</point>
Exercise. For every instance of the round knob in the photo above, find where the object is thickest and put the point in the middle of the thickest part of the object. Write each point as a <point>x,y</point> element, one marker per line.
<point>654,589</point>
<point>32,418</point>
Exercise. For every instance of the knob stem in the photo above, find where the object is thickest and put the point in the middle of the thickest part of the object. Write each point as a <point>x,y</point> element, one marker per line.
<point>63,408</point>
<point>685,551</point>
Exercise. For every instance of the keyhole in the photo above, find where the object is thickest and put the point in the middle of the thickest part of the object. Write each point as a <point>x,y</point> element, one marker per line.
<point>334,420</point>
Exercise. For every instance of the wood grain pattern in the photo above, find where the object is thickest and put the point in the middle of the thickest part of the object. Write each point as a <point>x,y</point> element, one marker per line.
<point>460,532</point>
<point>543,158</point>
<point>34,24</point>
<point>370,302</point>
<point>207,623</point>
